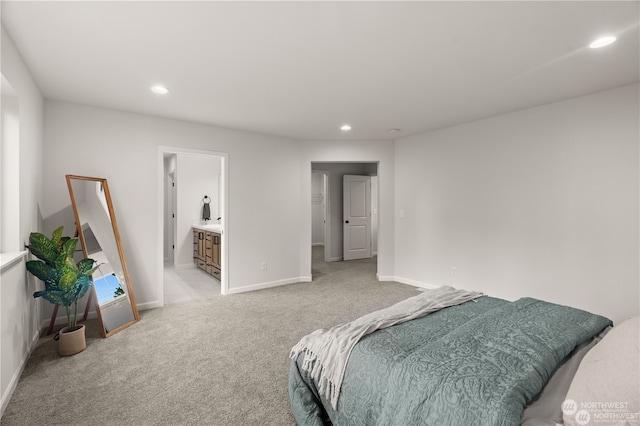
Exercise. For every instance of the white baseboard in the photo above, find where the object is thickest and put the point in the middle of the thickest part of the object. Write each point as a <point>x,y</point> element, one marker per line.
<point>149,305</point>
<point>414,283</point>
<point>335,259</point>
<point>302,279</point>
<point>6,397</point>
<point>270,284</point>
<point>407,281</point>
<point>385,277</point>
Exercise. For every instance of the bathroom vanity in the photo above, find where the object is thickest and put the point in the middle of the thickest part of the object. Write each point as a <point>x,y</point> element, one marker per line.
<point>207,243</point>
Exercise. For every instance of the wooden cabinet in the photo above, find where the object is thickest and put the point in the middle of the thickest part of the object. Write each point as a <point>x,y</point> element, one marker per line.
<point>215,252</point>
<point>199,248</point>
<point>206,251</point>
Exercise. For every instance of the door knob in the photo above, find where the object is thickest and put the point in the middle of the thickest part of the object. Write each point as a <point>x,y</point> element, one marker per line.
<point>346,221</point>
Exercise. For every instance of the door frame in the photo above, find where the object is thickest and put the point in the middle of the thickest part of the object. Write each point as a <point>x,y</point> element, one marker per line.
<point>328,225</point>
<point>327,217</point>
<point>224,209</point>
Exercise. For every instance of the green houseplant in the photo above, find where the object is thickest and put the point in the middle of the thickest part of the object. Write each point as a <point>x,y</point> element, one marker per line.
<point>66,281</point>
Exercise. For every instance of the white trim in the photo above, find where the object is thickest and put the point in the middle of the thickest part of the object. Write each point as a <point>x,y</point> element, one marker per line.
<point>327,213</point>
<point>9,259</point>
<point>384,277</point>
<point>6,397</point>
<point>224,172</point>
<point>414,283</point>
<point>270,284</point>
<point>149,305</point>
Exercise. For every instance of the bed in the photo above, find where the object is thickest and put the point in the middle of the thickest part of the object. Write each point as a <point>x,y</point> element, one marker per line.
<point>485,361</point>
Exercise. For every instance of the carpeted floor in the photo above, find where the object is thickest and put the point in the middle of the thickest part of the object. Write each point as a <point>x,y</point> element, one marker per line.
<point>221,360</point>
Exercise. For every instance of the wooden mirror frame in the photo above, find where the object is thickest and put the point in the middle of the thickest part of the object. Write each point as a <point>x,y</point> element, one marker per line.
<point>118,244</point>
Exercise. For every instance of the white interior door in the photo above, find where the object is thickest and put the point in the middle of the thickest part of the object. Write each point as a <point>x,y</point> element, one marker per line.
<point>356,217</point>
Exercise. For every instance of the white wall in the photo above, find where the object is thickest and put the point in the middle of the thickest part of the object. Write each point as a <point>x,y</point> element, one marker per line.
<point>19,311</point>
<point>264,208</point>
<point>380,152</point>
<point>541,202</point>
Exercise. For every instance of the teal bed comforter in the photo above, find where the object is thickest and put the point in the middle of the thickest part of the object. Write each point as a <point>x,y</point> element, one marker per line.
<point>478,363</point>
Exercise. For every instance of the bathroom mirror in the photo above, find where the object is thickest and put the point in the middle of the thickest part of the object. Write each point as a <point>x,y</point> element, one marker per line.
<point>98,232</point>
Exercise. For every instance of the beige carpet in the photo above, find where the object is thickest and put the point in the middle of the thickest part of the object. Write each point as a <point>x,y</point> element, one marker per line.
<point>218,361</point>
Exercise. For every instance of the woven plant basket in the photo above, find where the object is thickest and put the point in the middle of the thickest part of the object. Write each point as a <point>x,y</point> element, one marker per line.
<point>71,342</point>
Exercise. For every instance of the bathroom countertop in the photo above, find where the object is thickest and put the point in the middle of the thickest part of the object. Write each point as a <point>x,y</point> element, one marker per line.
<point>214,227</point>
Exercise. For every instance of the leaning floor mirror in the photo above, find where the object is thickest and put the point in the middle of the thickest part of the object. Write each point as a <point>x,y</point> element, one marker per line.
<point>98,232</point>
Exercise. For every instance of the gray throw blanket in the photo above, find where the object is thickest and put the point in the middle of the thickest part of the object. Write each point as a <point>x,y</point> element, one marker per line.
<point>326,352</point>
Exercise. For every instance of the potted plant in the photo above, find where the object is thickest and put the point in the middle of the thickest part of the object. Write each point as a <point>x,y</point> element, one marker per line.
<point>65,282</point>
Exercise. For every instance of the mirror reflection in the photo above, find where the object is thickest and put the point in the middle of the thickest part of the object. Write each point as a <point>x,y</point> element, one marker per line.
<point>98,233</point>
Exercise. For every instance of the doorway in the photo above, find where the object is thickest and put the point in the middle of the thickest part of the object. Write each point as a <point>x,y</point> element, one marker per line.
<point>320,219</point>
<point>328,176</point>
<point>180,193</point>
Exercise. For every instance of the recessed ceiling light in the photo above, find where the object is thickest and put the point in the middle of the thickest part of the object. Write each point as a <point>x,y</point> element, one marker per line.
<point>345,128</point>
<point>160,90</point>
<point>602,41</point>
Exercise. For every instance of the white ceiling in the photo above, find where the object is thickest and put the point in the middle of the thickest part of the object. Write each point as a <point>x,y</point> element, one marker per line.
<point>301,69</point>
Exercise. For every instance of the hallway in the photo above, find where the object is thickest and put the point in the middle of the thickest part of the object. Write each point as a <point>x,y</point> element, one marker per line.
<point>360,269</point>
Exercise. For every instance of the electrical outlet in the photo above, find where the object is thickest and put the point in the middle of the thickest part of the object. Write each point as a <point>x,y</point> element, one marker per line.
<point>264,266</point>
<point>401,213</point>
<point>454,271</point>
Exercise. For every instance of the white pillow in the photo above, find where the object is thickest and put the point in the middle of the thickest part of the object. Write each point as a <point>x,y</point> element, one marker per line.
<point>606,387</point>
